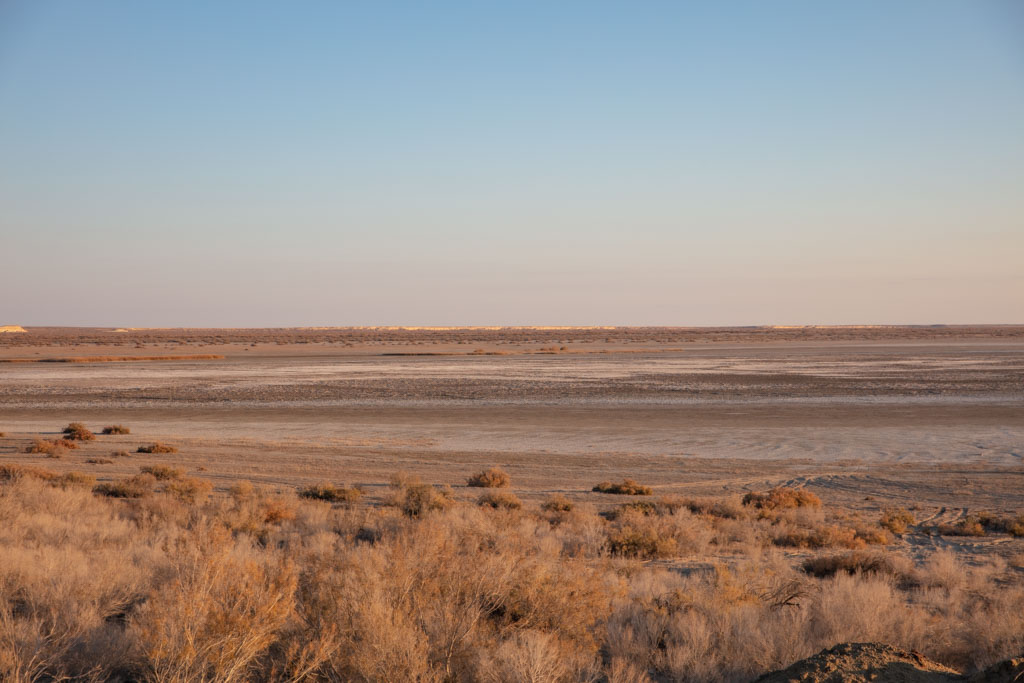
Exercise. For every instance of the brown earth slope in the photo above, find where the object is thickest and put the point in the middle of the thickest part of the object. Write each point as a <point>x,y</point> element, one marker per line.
<point>857,662</point>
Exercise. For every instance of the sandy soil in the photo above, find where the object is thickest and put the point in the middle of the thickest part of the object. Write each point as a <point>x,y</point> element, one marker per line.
<point>932,417</point>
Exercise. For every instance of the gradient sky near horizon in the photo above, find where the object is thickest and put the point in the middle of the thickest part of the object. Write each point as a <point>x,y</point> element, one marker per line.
<point>247,163</point>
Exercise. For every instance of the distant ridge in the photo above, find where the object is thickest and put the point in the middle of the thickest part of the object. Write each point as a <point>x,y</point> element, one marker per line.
<point>5,329</point>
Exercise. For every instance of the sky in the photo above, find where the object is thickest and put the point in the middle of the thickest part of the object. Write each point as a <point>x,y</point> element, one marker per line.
<point>256,163</point>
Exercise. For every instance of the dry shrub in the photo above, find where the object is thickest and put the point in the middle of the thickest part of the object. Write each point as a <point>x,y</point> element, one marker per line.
<point>897,520</point>
<point>221,609</point>
<point>505,500</point>
<point>635,533</point>
<point>156,448</point>
<point>626,487</point>
<point>132,487</point>
<point>859,562</point>
<point>74,479</point>
<point>116,429</point>
<point>163,472</point>
<point>120,454</point>
<point>332,494</point>
<point>536,657</point>
<point>557,503</point>
<point>829,536</point>
<point>410,495</point>
<point>54,449</point>
<point>190,490</point>
<point>12,472</point>
<point>782,498</point>
<point>98,461</point>
<point>77,431</point>
<point>968,526</point>
<point>495,477</point>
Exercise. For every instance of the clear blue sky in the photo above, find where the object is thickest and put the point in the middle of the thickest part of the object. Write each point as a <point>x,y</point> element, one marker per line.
<point>330,163</point>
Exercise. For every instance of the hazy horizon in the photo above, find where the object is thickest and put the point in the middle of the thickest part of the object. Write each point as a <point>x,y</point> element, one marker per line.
<point>250,164</point>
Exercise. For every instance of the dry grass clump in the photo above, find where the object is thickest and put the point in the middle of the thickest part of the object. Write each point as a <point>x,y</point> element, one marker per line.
<point>120,454</point>
<point>98,461</point>
<point>163,472</point>
<point>829,536</point>
<point>74,479</point>
<point>190,490</point>
<point>55,448</point>
<point>156,448</point>
<point>626,487</point>
<point>505,500</point>
<point>410,495</point>
<point>897,520</point>
<point>782,498</point>
<point>116,429</point>
<point>859,562</point>
<point>557,503</point>
<point>982,523</point>
<point>77,431</point>
<point>131,487</point>
<point>332,494</point>
<point>12,472</point>
<point>494,477</point>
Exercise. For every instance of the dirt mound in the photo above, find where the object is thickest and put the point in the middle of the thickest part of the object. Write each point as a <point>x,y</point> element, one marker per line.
<point>855,662</point>
<point>11,328</point>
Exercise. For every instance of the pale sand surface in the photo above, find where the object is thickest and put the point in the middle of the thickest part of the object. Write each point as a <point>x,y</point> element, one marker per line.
<point>866,421</point>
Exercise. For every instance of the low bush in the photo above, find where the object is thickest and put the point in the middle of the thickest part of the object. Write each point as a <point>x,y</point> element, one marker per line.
<point>897,520</point>
<point>190,490</point>
<point>331,493</point>
<point>490,478</point>
<point>782,498</point>
<point>74,479</point>
<point>55,448</point>
<point>557,503</point>
<point>857,562</point>
<point>120,454</point>
<point>13,472</point>
<point>132,487</point>
<point>98,461</point>
<point>77,431</point>
<point>156,448</point>
<point>163,472</point>
<point>626,487</point>
<point>414,498</point>
<point>505,500</point>
<point>116,429</point>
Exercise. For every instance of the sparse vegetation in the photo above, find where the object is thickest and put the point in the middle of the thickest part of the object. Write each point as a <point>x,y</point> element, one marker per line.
<point>330,493</point>
<point>782,498</point>
<point>98,461</point>
<point>132,487</point>
<point>163,472</point>
<point>77,431</point>
<point>410,495</point>
<point>626,487</point>
<point>897,520</point>
<point>116,429</point>
<point>495,477</point>
<point>156,448</point>
<point>557,503</point>
<point>53,448</point>
<point>505,500</point>
<point>163,582</point>
<point>120,454</point>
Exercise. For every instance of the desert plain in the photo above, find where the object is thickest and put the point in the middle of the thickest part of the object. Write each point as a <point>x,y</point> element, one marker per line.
<point>924,420</point>
<point>866,416</point>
